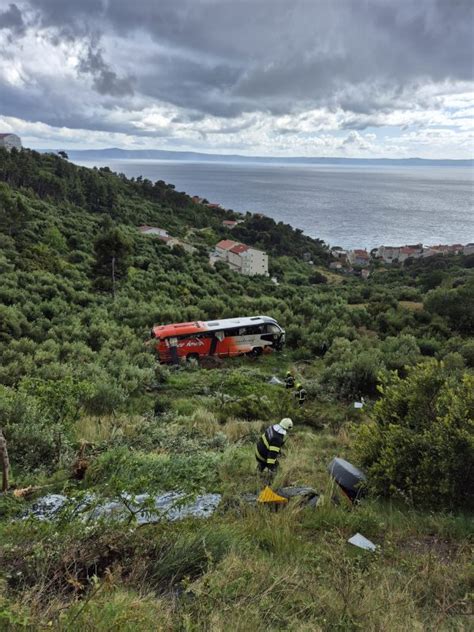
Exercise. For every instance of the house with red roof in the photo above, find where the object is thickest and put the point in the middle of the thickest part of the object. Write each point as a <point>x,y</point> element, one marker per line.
<point>358,257</point>
<point>240,257</point>
<point>229,223</point>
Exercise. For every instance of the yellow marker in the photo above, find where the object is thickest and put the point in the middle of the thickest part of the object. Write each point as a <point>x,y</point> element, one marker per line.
<point>267,495</point>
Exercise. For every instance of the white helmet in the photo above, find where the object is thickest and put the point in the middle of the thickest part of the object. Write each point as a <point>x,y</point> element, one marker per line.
<point>286,423</point>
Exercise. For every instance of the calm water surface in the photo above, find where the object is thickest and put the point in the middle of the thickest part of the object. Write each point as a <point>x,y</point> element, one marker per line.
<point>343,205</point>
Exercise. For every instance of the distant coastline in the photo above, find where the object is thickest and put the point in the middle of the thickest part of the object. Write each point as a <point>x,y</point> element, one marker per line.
<point>114,153</point>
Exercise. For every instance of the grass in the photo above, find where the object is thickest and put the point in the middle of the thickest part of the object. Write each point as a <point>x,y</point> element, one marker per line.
<point>412,306</point>
<point>246,568</point>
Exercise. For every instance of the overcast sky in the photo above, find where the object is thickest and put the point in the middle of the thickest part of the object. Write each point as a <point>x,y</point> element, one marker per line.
<point>362,78</point>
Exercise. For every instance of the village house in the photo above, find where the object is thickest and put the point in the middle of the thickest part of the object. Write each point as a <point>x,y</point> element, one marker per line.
<point>163,236</point>
<point>153,230</point>
<point>468,249</point>
<point>339,253</point>
<point>409,252</point>
<point>445,249</point>
<point>10,141</point>
<point>229,223</point>
<point>398,254</point>
<point>240,257</point>
<point>358,257</point>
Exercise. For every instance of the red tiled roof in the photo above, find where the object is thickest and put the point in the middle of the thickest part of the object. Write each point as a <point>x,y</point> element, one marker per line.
<point>361,253</point>
<point>229,222</point>
<point>239,248</point>
<point>226,244</point>
<point>406,250</point>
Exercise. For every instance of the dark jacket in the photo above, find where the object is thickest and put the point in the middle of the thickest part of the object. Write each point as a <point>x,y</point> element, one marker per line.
<point>269,446</point>
<point>289,381</point>
<point>300,395</point>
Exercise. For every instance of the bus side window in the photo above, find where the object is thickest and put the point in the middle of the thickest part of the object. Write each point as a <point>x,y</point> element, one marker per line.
<point>232,332</point>
<point>255,329</point>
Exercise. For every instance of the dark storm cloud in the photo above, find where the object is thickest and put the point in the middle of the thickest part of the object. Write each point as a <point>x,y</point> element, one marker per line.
<point>12,19</point>
<point>105,80</point>
<point>226,57</point>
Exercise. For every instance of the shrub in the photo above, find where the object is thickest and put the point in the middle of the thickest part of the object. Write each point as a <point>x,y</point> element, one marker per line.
<point>420,441</point>
<point>456,305</point>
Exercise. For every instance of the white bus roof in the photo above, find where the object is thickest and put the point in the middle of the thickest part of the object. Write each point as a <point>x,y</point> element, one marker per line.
<point>238,322</point>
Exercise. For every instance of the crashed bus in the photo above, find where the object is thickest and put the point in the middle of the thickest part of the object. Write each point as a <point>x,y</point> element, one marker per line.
<point>252,335</point>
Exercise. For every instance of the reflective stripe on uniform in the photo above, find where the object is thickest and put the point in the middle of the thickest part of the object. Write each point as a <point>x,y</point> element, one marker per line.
<point>259,456</point>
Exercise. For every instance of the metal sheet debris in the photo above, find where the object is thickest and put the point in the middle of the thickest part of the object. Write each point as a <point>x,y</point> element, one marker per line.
<point>143,508</point>
<point>362,542</point>
<point>276,381</point>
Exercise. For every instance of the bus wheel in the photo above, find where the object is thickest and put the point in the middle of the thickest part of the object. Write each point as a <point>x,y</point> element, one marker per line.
<point>192,356</point>
<point>256,351</point>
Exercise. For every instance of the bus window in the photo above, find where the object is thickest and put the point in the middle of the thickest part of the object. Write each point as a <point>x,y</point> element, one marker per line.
<point>273,329</point>
<point>233,332</point>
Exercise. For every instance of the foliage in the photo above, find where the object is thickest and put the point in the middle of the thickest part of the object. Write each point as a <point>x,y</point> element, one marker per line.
<point>420,442</point>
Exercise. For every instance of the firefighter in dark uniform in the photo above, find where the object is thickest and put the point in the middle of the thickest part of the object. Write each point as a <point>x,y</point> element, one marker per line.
<point>289,380</point>
<point>269,446</point>
<point>300,394</point>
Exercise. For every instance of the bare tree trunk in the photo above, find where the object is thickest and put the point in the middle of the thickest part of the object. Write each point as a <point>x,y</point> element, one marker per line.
<point>113,277</point>
<point>4,462</point>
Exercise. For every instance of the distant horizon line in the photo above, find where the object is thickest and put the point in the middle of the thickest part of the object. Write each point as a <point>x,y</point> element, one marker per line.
<point>151,154</point>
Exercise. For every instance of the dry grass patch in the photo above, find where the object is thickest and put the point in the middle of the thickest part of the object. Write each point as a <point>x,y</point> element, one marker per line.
<point>412,306</point>
<point>107,427</point>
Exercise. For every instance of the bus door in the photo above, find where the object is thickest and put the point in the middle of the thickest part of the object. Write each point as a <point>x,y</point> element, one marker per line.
<point>216,341</point>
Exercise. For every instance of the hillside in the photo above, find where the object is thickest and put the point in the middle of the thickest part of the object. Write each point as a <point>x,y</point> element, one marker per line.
<point>88,413</point>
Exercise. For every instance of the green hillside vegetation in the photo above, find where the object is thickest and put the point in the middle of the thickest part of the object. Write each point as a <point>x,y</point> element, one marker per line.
<point>86,409</point>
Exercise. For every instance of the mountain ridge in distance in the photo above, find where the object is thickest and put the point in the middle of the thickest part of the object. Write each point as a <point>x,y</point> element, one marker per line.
<point>115,153</point>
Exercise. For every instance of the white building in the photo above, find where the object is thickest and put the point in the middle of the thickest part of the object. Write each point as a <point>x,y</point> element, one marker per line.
<point>241,258</point>
<point>10,141</point>
<point>153,230</point>
<point>468,249</point>
<point>163,236</point>
<point>391,254</point>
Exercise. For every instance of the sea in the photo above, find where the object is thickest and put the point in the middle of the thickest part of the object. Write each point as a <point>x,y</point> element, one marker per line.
<point>344,205</point>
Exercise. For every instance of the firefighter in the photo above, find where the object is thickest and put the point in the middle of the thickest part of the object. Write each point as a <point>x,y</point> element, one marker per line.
<point>289,380</point>
<point>269,446</point>
<point>300,394</point>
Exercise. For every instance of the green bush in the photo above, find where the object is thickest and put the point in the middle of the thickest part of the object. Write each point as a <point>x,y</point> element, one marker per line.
<point>420,441</point>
